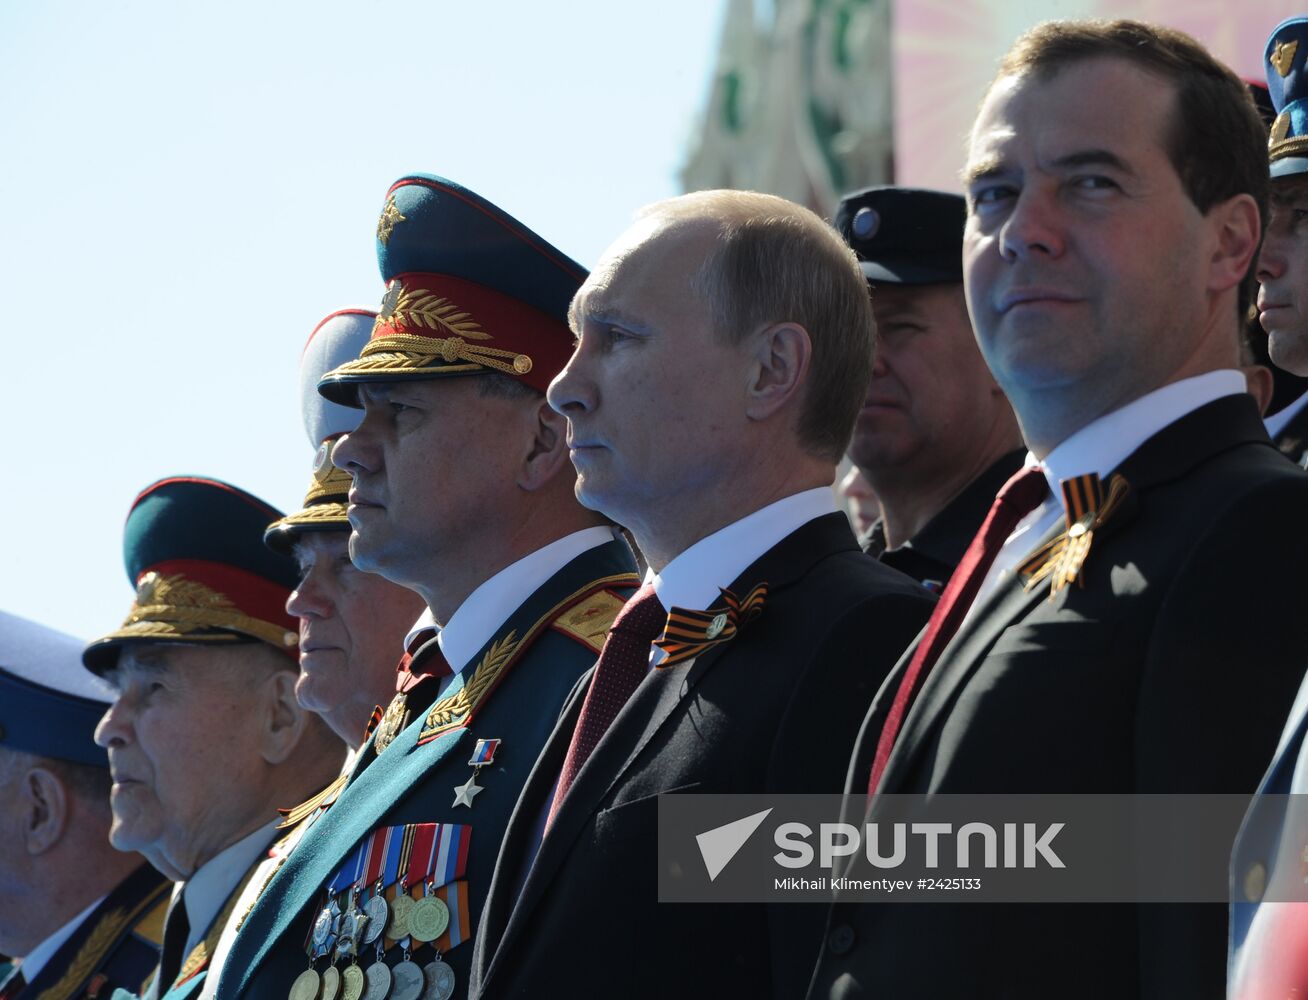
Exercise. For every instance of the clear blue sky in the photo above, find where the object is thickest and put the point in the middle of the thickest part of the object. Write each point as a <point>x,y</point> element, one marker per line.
<point>186,189</point>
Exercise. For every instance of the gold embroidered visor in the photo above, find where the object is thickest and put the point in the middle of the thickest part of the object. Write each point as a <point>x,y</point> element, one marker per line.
<point>433,325</point>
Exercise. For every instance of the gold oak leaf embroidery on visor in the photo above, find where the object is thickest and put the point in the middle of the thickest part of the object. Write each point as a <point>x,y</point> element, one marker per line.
<point>689,633</point>
<point>1088,508</point>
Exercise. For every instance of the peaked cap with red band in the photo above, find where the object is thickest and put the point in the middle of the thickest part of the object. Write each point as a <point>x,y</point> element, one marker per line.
<point>469,290</point>
<point>194,551</point>
<point>336,340</point>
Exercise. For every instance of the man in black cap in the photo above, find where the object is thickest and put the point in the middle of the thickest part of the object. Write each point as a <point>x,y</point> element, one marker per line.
<point>936,437</point>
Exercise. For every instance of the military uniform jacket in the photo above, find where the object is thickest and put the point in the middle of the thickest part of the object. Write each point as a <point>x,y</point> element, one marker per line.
<point>510,692</point>
<point>117,946</point>
<point>1270,848</point>
<point>1170,670</point>
<point>774,710</point>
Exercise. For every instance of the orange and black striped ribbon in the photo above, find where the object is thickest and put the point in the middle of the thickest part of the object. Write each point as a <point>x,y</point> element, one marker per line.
<point>689,633</point>
<point>1087,507</point>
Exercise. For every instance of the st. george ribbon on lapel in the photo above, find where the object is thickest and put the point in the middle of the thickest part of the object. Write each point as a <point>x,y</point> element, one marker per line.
<point>689,633</point>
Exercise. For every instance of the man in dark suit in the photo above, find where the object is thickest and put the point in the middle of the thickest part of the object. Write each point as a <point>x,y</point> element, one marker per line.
<point>462,491</point>
<point>1108,261</point>
<point>724,346</point>
<point>935,438</point>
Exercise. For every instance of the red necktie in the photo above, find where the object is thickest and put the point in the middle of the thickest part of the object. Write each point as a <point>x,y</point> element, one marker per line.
<point>622,665</point>
<point>1019,496</point>
<point>1276,962</point>
<point>432,664</point>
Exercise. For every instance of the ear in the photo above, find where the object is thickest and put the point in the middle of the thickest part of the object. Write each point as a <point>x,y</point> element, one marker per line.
<point>549,448</point>
<point>781,356</point>
<point>1261,383</point>
<point>284,718</point>
<point>1239,231</point>
<point>45,810</point>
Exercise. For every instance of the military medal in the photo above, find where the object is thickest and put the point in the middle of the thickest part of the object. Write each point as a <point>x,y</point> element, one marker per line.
<point>331,983</point>
<point>352,983</point>
<point>429,919</point>
<point>378,980</point>
<point>378,917</point>
<point>401,906</point>
<point>439,980</point>
<point>407,981</point>
<point>483,754</point>
<point>305,986</point>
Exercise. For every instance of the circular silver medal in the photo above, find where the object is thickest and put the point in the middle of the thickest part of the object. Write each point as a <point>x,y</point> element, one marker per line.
<point>351,983</point>
<point>322,927</point>
<point>331,983</point>
<point>378,916</point>
<point>305,986</point>
<point>378,979</point>
<point>439,979</point>
<point>408,981</point>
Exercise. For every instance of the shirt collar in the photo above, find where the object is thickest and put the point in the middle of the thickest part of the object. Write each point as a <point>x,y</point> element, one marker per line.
<point>36,960</point>
<point>693,578</point>
<point>488,607</point>
<point>425,623</point>
<point>1279,420</point>
<point>205,892</point>
<point>1103,444</point>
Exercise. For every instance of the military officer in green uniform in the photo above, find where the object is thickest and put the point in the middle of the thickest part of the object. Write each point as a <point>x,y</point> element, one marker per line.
<point>352,623</point>
<point>461,490</point>
<point>206,739</point>
<point>83,918</point>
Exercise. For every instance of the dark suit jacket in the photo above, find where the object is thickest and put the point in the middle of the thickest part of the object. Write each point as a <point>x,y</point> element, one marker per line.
<point>768,711</point>
<point>931,555</point>
<point>1171,670</point>
<point>413,780</point>
<point>1292,441</point>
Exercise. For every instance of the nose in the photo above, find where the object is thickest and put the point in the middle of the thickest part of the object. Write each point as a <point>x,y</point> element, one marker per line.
<point>1032,227</point>
<point>573,391</point>
<point>113,730</point>
<point>357,451</point>
<point>1271,259</point>
<point>309,599</point>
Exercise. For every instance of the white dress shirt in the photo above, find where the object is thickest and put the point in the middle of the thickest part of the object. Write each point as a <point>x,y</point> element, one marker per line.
<point>34,961</point>
<point>481,614</point>
<point>1277,421</point>
<point>693,579</point>
<point>205,892</point>
<point>1100,447</point>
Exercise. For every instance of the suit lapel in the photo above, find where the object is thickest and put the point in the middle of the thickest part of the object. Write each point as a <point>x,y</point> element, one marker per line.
<point>1170,454</point>
<point>657,699</point>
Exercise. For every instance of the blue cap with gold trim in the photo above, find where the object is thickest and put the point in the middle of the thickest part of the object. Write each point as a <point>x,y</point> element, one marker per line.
<point>469,290</point>
<point>49,705</point>
<point>1287,84</point>
<point>194,551</point>
<point>335,341</point>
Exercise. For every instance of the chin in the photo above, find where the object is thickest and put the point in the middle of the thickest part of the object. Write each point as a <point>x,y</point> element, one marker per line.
<point>1289,350</point>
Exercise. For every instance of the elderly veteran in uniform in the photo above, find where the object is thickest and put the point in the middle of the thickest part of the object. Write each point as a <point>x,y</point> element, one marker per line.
<point>724,347</point>
<point>206,739</point>
<point>82,917</point>
<point>1269,914</point>
<point>461,491</point>
<point>936,437</point>
<point>352,623</point>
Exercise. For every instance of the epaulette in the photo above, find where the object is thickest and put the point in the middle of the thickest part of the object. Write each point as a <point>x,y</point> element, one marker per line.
<point>459,708</point>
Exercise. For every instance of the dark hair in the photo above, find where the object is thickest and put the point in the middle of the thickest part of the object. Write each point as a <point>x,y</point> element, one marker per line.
<point>1217,141</point>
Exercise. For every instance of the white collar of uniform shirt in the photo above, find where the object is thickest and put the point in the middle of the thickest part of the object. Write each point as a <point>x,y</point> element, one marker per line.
<point>205,892</point>
<point>1100,447</point>
<point>476,620</point>
<point>34,961</point>
<point>693,578</point>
